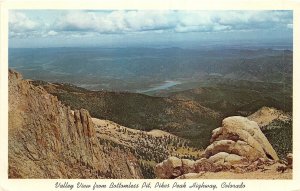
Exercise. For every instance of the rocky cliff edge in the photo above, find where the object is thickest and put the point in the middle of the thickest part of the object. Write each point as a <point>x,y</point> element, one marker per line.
<point>47,140</point>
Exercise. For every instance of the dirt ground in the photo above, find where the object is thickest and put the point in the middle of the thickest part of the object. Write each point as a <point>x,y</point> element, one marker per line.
<point>269,173</point>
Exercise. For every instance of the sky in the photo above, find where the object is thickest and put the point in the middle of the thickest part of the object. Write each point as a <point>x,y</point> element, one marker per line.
<point>125,28</point>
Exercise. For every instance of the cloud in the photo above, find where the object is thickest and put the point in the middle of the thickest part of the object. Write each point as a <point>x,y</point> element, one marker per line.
<point>77,23</point>
<point>176,21</point>
<point>207,21</point>
<point>255,19</point>
<point>20,24</point>
<point>290,26</point>
<point>116,21</point>
<point>52,33</point>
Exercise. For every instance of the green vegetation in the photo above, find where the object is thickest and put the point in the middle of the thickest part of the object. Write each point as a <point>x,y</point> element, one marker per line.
<point>231,97</point>
<point>280,135</point>
<point>147,170</point>
<point>187,119</point>
<point>190,114</point>
<point>148,149</point>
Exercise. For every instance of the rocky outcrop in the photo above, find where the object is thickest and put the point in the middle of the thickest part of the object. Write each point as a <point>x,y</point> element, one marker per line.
<point>266,115</point>
<point>286,164</point>
<point>238,135</point>
<point>289,159</point>
<point>170,168</point>
<point>239,145</point>
<point>46,140</point>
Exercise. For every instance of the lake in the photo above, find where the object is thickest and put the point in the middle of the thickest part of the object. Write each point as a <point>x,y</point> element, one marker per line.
<point>165,85</point>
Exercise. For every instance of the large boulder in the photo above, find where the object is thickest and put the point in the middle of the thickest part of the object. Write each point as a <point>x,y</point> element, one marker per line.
<point>204,164</point>
<point>188,166</point>
<point>227,160</point>
<point>238,135</point>
<point>238,145</point>
<point>240,148</point>
<point>170,168</point>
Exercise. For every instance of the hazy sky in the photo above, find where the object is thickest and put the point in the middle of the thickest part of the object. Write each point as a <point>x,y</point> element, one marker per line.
<point>60,28</point>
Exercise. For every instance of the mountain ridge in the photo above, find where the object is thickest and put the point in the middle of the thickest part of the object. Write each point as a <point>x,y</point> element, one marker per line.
<point>47,141</point>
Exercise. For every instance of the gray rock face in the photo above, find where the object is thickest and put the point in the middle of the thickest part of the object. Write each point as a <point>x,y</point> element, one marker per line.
<point>47,141</point>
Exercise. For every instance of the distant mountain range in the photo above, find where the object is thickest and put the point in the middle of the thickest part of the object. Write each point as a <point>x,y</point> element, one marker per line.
<point>135,69</point>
